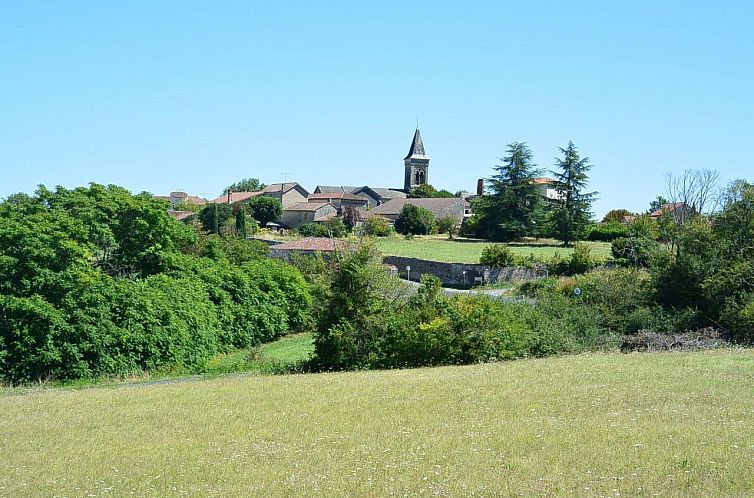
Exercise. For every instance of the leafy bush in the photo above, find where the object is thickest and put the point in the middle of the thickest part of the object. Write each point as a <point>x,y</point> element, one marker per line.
<point>606,232</point>
<point>581,259</point>
<point>312,230</point>
<point>633,251</point>
<point>498,256</point>
<point>370,321</point>
<point>377,226</point>
<point>68,312</point>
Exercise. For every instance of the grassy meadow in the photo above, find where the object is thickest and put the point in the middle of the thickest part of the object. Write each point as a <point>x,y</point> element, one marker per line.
<point>668,424</point>
<point>469,250</point>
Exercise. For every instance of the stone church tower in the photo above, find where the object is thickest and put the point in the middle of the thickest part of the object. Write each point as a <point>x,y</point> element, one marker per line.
<point>417,164</point>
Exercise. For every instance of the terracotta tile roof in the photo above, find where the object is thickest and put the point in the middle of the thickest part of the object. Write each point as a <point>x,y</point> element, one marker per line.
<point>307,206</point>
<point>195,199</point>
<point>312,244</point>
<point>666,208</point>
<point>236,197</point>
<point>180,215</point>
<point>545,181</point>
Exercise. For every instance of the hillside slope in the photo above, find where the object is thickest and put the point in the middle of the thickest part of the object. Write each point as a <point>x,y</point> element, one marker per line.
<point>591,425</point>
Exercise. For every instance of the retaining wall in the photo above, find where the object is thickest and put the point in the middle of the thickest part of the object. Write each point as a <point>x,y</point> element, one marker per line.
<point>452,273</point>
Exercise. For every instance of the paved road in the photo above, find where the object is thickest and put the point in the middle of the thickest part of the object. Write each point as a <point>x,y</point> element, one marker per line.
<point>499,294</point>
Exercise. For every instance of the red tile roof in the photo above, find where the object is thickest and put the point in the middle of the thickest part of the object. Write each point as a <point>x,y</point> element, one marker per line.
<point>666,208</point>
<point>544,181</point>
<point>236,197</point>
<point>312,244</point>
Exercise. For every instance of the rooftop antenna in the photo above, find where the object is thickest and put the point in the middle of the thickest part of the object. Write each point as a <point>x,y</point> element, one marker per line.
<point>285,177</point>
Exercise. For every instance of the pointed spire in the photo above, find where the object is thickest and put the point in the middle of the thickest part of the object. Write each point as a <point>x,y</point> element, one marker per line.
<point>417,147</point>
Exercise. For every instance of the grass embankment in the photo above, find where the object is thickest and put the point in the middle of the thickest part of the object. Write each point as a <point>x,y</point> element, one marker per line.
<point>469,251</point>
<point>593,425</point>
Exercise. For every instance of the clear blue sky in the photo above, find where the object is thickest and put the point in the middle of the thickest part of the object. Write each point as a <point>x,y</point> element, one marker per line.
<point>162,96</point>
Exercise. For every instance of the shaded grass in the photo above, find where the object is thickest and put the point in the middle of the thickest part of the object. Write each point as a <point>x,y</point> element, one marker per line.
<point>469,251</point>
<point>673,424</point>
<point>272,357</point>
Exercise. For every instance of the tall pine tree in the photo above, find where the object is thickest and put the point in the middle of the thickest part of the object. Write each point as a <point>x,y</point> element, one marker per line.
<point>571,213</point>
<point>509,212</point>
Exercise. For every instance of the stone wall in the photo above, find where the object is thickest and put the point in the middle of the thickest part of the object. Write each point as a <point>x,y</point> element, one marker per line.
<point>452,274</point>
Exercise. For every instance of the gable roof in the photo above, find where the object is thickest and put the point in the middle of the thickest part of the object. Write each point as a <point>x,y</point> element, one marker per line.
<point>393,207</point>
<point>346,196</point>
<point>381,193</point>
<point>284,187</point>
<point>667,208</point>
<point>307,206</point>
<point>330,189</point>
<point>417,147</point>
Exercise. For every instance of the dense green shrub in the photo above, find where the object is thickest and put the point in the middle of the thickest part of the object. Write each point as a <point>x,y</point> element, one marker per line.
<point>371,322</point>
<point>79,298</point>
<point>606,232</point>
<point>377,226</point>
<point>498,255</point>
<point>633,251</point>
<point>312,230</point>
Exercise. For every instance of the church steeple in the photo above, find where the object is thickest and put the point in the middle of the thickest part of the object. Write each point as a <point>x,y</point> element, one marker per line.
<point>417,147</point>
<point>416,164</point>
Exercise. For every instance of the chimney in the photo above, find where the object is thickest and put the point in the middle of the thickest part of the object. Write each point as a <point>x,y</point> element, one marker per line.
<point>480,187</point>
<point>229,197</point>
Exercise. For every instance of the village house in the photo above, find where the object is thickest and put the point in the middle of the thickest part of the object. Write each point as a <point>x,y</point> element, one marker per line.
<point>678,211</point>
<point>376,196</point>
<point>341,200</point>
<point>308,245</point>
<point>287,193</point>
<point>297,214</point>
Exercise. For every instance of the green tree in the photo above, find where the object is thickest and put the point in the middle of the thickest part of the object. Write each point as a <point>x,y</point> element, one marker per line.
<point>241,222</point>
<point>449,225</point>
<point>213,216</point>
<point>511,209</point>
<point>245,185</point>
<point>336,228</point>
<point>657,204</point>
<point>428,191</point>
<point>265,209</point>
<point>377,226</point>
<point>414,220</point>
<point>617,215</point>
<point>572,211</point>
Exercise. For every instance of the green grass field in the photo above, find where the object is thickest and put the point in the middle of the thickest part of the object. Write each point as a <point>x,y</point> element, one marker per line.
<point>669,424</point>
<point>469,251</point>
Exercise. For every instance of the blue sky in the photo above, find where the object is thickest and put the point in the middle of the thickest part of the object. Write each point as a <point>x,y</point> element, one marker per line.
<point>163,96</point>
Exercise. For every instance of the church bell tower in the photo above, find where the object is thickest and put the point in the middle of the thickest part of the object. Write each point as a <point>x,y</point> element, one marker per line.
<point>417,164</point>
